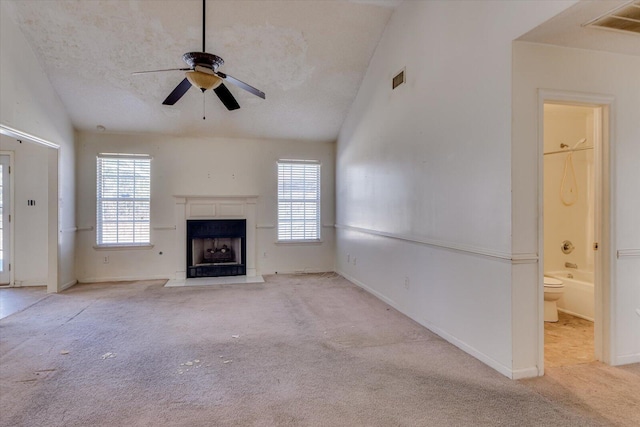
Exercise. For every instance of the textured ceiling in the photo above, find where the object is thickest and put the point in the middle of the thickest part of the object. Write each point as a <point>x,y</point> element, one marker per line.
<point>309,57</point>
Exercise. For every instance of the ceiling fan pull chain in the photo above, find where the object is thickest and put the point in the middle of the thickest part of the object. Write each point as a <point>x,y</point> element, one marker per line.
<point>203,107</point>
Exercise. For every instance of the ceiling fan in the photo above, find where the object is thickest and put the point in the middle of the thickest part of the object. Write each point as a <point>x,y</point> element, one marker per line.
<point>203,73</point>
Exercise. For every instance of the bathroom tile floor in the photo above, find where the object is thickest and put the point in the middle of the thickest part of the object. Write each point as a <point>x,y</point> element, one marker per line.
<point>569,341</point>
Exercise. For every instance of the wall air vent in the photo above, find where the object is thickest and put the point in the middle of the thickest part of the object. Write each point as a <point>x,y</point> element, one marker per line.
<point>625,18</point>
<point>398,79</point>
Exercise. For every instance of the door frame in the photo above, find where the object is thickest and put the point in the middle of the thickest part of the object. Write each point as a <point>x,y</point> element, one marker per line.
<point>604,211</point>
<point>54,218</point>
<point>10,154</point>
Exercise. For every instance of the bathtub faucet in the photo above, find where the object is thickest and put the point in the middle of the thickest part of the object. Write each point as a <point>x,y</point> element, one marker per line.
<point>570,265</point>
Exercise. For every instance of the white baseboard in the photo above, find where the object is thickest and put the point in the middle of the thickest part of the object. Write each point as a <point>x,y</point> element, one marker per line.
<point>28,283</point>
<point>487,360</point>
<point>370,290</point>
<point>120,279</point>
<point>305,271</point>
<point>575,314</point>
<point>627,359</point>
<point>520,374</point>
<point>68,285</point>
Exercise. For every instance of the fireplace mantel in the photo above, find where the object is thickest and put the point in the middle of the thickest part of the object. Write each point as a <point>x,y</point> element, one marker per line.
<point>214,207</point>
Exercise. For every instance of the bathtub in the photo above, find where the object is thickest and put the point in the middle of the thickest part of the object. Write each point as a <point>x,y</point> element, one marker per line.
<point>578,298</point>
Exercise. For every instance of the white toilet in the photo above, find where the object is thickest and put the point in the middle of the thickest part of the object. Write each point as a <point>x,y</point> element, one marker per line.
<point>553,290</point>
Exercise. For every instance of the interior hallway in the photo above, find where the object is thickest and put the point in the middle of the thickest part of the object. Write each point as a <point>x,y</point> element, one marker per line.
<point>295,350</point>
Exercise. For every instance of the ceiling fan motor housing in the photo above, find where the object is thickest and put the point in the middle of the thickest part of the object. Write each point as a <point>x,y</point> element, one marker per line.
<point>203,59</point>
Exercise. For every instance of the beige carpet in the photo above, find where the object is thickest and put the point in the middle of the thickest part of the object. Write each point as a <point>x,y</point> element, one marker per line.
<point>309,350</point>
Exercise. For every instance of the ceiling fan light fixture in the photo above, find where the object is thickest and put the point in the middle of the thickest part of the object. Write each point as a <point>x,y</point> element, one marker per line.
<point>203,81</point>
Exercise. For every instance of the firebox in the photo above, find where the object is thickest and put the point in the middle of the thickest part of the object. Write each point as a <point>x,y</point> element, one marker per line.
<point>216,247</point>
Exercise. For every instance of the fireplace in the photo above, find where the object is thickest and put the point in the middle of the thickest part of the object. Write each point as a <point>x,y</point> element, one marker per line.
<point>216,247</point>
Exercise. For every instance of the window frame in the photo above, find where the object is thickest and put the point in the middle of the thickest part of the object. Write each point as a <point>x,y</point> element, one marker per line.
<point>317,201</point>
<point>100,221</point>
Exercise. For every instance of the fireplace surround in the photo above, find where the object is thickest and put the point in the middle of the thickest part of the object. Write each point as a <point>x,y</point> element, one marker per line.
<point>204,207</point>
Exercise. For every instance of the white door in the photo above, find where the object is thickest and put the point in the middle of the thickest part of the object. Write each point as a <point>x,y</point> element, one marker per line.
<point>5,219</point>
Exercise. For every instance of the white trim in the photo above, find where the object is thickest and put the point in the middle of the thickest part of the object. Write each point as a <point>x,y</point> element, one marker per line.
<point>299,242</point>
<point>42,282</point>
<point>182,212</point>
<point>124,156</point>
<point>164,227</point>
<point>582,316</point>
<point>300,162</point>
<point>11,260</point>
<point>89,228</point>
<point>53,260</point>
<point>141,196</point>
<point>516,258</point>
<point>121,247</point>
<point>627,359</point>
<point>15,133</point>
<point>308,171</point>
<point>504,370</point>
<point>604,158</point>
<point>628,253</point>
<point>68,285</point>
<point>249,198</point>
<point>524,258</point>
<point>121,279</point>
<point>520,374</point>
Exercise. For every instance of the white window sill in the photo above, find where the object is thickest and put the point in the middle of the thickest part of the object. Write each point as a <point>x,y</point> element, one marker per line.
<point>122,247</point>
<point>299,242</point>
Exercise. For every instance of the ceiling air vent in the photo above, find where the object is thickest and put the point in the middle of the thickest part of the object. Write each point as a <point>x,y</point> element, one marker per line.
<point>625,18</point>
<point>398,79</point>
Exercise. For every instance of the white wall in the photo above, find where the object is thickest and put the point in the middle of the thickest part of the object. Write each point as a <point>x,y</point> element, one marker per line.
<point>424,172</point>
<point>30,105</point>
<point>581,71</point>
<point>29,176</point>
<point>205,167</point>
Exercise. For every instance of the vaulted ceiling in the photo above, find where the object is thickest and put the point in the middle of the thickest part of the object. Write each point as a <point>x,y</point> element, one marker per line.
<point>308,56</point>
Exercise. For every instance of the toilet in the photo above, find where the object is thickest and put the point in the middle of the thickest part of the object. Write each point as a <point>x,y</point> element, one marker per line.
<point>553,290</point>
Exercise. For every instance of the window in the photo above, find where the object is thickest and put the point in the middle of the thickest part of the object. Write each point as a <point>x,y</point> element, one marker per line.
<point>298,200</point>
<point>123,197</point>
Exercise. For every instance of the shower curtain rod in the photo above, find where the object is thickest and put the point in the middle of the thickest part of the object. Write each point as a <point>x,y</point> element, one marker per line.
<point>569,150</point>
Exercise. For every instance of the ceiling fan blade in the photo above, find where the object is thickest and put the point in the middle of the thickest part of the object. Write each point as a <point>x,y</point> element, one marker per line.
<point>177,93</point>
<point>158,71</point>
<point>241,84</point>
<point>226,97</point>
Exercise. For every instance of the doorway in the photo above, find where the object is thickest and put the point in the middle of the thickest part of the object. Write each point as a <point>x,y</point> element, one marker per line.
<point>6,227</point>
<point>574,231</point>
<point>34,224</point>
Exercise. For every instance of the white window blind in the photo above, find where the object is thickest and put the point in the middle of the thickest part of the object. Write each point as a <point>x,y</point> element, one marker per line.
<point>123,197</point>
<point>298,200</point>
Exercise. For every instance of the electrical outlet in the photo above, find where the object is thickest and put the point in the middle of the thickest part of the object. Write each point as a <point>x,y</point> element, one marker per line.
<point>264,254</point>
<point>355,260</point>
<point>406,283</point>
<point>105,260</point>
<point>348,258</point>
